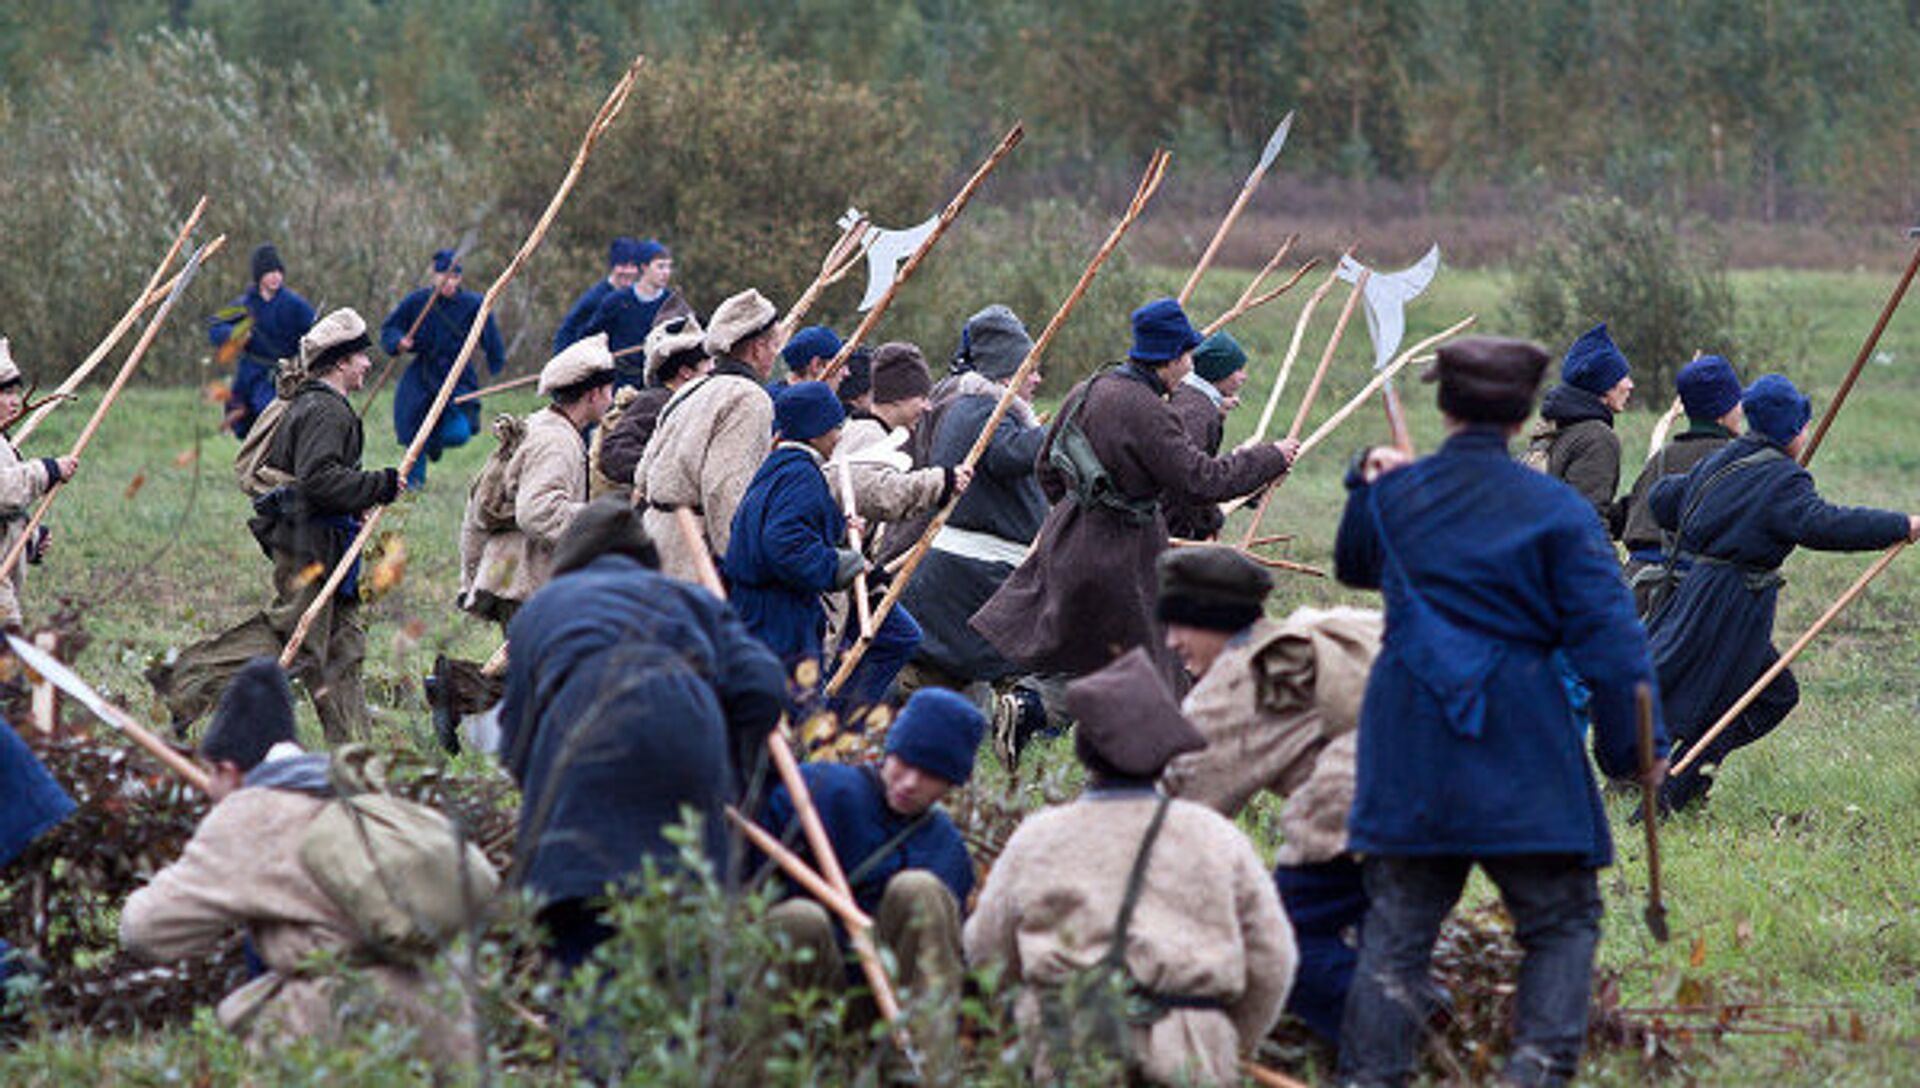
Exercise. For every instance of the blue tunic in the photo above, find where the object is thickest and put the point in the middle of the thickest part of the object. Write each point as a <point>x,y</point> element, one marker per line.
<point>574,325</point>
<point>435,347</point>
<point>1492,574</point>
<point>629,695</point>
<point>781,556</point>
<point>30,800</point>
<point>278,325</point>
<point>853,807</point>
<point>1713,638</point>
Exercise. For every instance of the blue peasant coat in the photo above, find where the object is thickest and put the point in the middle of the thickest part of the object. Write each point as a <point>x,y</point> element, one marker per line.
<point>853,808</point>
<point>278,325</point>
<point>435,347</point>
<point>1468,743</point>
<point>781,556</point>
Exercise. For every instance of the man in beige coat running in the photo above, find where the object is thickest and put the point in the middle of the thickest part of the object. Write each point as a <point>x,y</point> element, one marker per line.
<point>22,482</point>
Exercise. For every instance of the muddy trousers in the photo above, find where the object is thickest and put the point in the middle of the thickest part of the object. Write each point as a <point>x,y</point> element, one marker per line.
<point>328,664</point>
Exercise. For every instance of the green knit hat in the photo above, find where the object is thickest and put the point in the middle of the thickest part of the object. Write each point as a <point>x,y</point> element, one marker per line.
<point>1218,356</point>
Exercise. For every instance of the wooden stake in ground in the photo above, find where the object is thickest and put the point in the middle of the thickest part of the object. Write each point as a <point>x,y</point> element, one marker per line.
<point>56,673</point>
<point>19,549</point>
<point>947,215</point>
<point>1267,155</point>
<point>1149,182</point>
<point>1866,352</point>
<point>1794,651</point>
<point>602,120</point>
<point>150,295</point>
<point>1306,401</point>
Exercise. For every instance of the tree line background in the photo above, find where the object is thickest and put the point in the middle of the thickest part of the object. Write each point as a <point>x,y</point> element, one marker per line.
<point>362,134</point>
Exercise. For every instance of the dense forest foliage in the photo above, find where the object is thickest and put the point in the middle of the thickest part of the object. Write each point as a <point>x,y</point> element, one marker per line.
<point>1755,108</point>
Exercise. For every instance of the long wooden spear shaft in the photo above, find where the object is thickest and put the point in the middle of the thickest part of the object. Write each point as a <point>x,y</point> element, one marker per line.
<point>152,296</point>
<point>1149,183</point>
<point>1860,360</point>
<point>603,120</point>
<point>1253,302</point>
<point>497,387</point>
<point>846,252</point>
<point>1799,646</point>
<point>1293,353</point>
<point>1267,157</point>
<point>1379,380</point>
<point>862,608</point>
<point>19,548</point>
<point>1306,401</point>
<point>947,215</point>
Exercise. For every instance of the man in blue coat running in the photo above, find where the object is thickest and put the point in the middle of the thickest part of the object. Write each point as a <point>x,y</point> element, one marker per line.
<point>435,344</point>
<point>1497,580</point>
<point>256,331</point>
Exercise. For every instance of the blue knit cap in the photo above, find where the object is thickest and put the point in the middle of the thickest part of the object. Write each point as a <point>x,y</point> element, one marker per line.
<point>806,411</point>
<point>938,731</point>
<point>1776,409</point>
<point>446,260</point>
<point>1162,333</point>
<point>1708,388</point>
<point>810,343</point>
<point>623,251</point>
<point>1218,357</point>
<point>1593,363</point>
<point>648,251</point>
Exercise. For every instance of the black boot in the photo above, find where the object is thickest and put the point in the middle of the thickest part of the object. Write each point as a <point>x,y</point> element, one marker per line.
<point>446,724</point>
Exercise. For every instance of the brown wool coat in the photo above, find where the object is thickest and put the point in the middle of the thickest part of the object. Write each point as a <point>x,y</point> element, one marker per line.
<point>242,869</point>
<point>1206,425</point>
<point>1085,594</point>
<point>1586,455</point>
<point>22,482</point>
<point>710,439</point>
<point>621,439</point>
<point>1207,924</point>
<point>1279,709</point>
<point>549,474</point>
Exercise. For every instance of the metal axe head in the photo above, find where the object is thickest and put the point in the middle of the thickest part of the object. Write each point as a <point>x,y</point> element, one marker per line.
<point>888,249</point>
<point>1386,296</point>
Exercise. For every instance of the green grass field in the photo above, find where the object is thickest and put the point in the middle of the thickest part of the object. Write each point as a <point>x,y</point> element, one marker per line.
<point>1799,884</point>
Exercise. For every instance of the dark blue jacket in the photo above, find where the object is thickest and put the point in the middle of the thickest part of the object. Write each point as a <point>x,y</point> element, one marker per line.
<point>435,347</point>
<point>30,800</point>
<point>278,326</point>
<point>1468,744</point>
<point>1713,638</point>
<point>853,807</point>
<point>629,695</point>
<point>782,556</point>
<point>574,325</point>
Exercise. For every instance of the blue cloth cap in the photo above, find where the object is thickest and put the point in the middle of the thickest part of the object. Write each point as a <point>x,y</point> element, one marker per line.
<point>1776,409</point>
<point>806,411</point>
<point>648,251</point>
<point>1708,387</point>
<point>1218,357</point>
<point>623,251</point>
<point>1162,333</point>
<point>938,731</point>
<point>1593,363</point>
<point>810,343</point>
<point>446,260</point>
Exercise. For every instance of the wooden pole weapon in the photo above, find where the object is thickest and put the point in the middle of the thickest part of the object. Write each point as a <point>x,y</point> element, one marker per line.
<point>1799,646</point>
<point>54,671</point>
<point>1249,303</point>
<point>1267,157</point>
<point>863,608</point>
<point>1380,379</point>
<point>1866,352</point>
<point>19,548</point>
<point>602,121</point>
<point>1149,183</point>
<point>1293,353</point>
<point>846,252</point>
<point>497,387</point>
<point>151,294</point>
<point>947,215</point>
<point>1306,401</point>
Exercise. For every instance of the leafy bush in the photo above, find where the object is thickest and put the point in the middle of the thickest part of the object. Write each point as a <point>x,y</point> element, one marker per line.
<point>108,156</point>
<point>1662,299</point>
